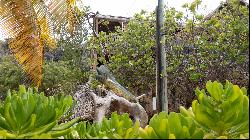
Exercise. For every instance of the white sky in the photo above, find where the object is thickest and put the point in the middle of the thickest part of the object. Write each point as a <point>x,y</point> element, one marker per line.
<point>127,8</point>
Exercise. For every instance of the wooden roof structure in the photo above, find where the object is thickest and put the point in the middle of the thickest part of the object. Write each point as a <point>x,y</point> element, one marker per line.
<point>99,25</point>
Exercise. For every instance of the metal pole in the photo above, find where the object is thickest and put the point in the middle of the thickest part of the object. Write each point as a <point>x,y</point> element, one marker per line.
<point>161,74</point>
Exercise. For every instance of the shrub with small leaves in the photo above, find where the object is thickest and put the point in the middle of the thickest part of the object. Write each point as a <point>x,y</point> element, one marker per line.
<point>10,75</point>
<point>198,49</point>
<point>60,77</point>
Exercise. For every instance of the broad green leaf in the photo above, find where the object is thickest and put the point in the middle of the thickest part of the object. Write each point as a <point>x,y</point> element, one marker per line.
<point>175,124</point>
<point>215,89</point>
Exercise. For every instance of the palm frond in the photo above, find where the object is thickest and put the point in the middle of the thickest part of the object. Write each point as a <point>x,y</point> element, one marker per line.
<point>62,10</point>
<point>31,25</point>
<point>45,23</point>
<point>18,20</point>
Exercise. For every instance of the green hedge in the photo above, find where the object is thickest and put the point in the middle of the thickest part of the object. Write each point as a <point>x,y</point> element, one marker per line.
<point>10,75</point>
<point>61,77</point>
<point>58,77</point>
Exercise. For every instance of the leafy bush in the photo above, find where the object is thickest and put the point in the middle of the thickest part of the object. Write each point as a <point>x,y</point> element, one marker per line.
<point>130,53</point>
<point>224,113</point>
<point>197,50</point>
<point>174,125</point>
<point>219,112</point>
<point>60,77</point>
<point>27,114</point>
<point>116,127</point>
<point>10,75</point>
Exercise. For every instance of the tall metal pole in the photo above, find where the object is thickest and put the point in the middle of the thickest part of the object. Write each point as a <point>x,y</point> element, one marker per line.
<point>161,74</point>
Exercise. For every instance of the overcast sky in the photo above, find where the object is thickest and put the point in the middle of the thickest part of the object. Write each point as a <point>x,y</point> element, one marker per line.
<point>127,8</point>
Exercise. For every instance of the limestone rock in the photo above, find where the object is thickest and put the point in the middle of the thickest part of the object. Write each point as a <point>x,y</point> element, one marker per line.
<point>89,106</point>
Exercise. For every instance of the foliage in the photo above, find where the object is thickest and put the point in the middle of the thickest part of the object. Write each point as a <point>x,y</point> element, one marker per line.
<point>10,75</point>
<point>30,25</point>
<point>224,113</point>
<point>203,50</point>
<point>130,53</point>
<point>58,77</point>
<point>28,114</point>
<point>70,47</point>
<point>198,49</point>
<point>116,127</point>
<point>174,125</point>
<point>220,112</point>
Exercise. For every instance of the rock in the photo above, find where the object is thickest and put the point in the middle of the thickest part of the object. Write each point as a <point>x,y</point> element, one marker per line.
<point>89,106</point>
<point>85,103</point>
<point>111,103</point>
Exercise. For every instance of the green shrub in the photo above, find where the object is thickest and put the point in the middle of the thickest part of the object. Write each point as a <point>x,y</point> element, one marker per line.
<point>116,127</point>
<point>10,75</point>
<point>60,77</point>
<point>219,112</point>
<point>197,50</point>
<point>28,114</point>
<point>223,114</point>
<point>174,125</point>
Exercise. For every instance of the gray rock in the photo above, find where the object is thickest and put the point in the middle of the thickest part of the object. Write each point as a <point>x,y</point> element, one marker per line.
<point>89,106</point>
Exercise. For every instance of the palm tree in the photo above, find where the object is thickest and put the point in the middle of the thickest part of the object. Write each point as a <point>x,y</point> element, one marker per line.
<point>31,24</point>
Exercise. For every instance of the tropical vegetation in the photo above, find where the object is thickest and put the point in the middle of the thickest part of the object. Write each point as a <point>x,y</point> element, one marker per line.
<point>48,54</point>
<point>198,49</point>
<point>221,111</point>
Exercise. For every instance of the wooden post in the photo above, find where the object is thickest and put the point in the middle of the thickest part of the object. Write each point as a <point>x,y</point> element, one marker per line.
<point>95,33</point>
<point>161,74</point>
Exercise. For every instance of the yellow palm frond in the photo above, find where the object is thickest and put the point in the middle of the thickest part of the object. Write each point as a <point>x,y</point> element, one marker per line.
<point>45,23</point>
<point>18,20</point>
<point>31,24</point>
<point>62,10</point>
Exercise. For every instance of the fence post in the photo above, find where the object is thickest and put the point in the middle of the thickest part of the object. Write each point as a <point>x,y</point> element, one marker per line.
<point>161,74</point>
